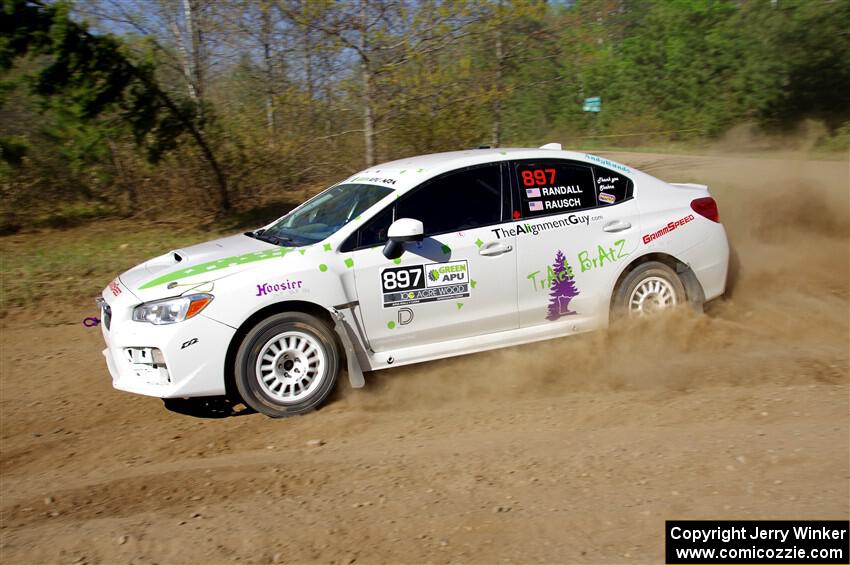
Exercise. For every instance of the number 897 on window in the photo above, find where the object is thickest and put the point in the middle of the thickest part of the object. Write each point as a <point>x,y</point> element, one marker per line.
<point>537,177</point>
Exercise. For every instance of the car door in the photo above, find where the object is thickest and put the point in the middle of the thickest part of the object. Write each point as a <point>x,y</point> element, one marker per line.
<point>579,223</point>
<point>458,282</point>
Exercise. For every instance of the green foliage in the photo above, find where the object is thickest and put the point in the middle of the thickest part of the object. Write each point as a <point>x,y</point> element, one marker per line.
<point>12,151</point>
<point>59,268</point>
<point>274,95</point>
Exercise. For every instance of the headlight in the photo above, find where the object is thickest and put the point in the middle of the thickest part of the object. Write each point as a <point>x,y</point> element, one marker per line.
<point>171,310</point>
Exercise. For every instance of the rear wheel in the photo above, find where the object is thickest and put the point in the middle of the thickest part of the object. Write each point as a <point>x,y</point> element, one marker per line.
<point>287,364</point>
<point>649,289</point>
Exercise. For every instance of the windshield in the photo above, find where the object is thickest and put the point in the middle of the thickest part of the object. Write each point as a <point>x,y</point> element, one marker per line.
<point>325,213</point>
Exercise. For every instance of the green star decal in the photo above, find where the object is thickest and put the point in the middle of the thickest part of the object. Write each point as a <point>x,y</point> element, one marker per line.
<point>473,283</point>
<point>419,170</point>
<point>217,265</point>
<point>327,247</point>
<point>390,325</point>
<point>402,172</point>
<point>349,262</point>
<point>479,243</point>
<point>302,251</point>
<point>459,305</point>
<point>323,267</point>
<point>446,249</point>
<point>397,261</point>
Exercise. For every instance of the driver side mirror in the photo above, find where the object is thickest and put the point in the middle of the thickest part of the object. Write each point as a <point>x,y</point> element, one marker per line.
<point>401,231</point>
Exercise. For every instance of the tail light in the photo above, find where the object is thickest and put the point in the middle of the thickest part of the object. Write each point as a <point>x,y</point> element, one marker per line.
<point>707,208</point>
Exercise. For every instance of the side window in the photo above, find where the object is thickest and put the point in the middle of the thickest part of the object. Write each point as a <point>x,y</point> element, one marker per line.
<point>612,187</point>
<point>456,201</point>
<point>375,232</point>
<point>554,187</point>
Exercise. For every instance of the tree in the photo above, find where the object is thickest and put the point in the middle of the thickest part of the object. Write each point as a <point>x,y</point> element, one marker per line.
<point>562,288</point>
<point>94,74</point>
<point>383,36</point>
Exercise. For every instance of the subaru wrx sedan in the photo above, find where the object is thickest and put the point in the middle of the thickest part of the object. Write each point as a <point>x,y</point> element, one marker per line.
<point>409,261</point>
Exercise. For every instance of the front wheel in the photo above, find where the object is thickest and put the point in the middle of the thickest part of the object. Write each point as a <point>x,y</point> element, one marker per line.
<point>287,364</point>
<point>649,289</point>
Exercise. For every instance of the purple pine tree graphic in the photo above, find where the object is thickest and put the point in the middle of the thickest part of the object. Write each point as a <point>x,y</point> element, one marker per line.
<point>563,289</point>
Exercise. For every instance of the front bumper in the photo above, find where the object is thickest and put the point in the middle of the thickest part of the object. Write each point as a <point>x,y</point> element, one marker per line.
<point>193,351</point>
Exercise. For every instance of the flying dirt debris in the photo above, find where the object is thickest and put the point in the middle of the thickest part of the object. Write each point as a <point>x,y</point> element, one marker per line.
<point>565,451</point>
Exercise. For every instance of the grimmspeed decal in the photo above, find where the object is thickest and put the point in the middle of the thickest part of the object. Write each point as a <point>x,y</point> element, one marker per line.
<point>667,229</point>
<point>536,228</point>
<point>432,282</point>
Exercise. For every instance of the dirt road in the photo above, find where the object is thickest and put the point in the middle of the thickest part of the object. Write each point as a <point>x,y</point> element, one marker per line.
<point>567,451</point>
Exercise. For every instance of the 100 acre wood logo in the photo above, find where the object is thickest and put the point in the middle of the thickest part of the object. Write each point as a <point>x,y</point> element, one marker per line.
<point>424,283</point>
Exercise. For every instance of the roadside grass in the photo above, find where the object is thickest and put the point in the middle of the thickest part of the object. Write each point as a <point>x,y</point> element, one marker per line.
<point>57,269</point>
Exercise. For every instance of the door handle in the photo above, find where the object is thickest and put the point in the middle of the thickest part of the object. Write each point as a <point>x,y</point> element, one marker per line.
<point>492,249</point>
<point>615,226</point>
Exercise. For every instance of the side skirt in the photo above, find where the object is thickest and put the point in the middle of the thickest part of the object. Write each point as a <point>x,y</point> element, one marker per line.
<point>476,344</point>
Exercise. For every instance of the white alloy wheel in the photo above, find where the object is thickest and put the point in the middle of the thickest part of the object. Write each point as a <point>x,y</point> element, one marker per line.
<point>651,296</point>
<point>291,366</point>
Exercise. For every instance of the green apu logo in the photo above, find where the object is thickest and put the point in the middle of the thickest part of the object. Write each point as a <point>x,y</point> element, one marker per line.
<point>434,275</point>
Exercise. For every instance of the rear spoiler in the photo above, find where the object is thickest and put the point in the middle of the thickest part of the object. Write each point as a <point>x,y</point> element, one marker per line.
<point>689,185</point>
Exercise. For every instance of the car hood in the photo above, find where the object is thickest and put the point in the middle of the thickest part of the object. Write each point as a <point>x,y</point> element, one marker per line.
<point>180,270</point>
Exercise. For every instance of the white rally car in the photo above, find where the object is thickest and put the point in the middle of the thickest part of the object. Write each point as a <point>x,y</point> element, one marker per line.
<point>408,261</point>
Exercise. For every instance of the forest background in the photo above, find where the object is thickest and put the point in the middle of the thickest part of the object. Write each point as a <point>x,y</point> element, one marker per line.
<point>214,108</point>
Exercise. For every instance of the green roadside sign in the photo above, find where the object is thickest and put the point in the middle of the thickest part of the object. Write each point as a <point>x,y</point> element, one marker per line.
<point>592,104</point>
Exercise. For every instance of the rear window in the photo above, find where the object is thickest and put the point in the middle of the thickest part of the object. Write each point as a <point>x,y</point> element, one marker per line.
<point>612,186</point>
<point>554,187</point>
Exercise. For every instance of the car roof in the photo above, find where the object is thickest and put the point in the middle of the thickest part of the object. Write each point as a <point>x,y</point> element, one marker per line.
<point>410,171</point>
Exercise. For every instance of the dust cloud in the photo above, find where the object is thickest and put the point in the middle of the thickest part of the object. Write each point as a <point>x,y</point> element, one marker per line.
<point>784,319</point>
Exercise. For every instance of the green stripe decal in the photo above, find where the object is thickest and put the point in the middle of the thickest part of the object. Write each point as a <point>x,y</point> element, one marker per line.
<point>217,265</point>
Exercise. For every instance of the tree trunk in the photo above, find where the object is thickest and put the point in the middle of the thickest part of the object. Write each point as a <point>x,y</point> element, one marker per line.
<point>266,39</point>
<point>197,134</point>
<point>194,31</point>
<point>124,182</point>
<point>366,77</point>
<point>496,136</point>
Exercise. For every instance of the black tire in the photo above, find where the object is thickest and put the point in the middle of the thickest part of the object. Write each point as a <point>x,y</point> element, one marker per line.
<point>637,276</point>
<point>733,275</point>
<point>258,396</point>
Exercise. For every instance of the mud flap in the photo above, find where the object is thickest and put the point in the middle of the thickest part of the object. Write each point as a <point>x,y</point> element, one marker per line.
<point>355,374</point>
<point>696,296</point>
